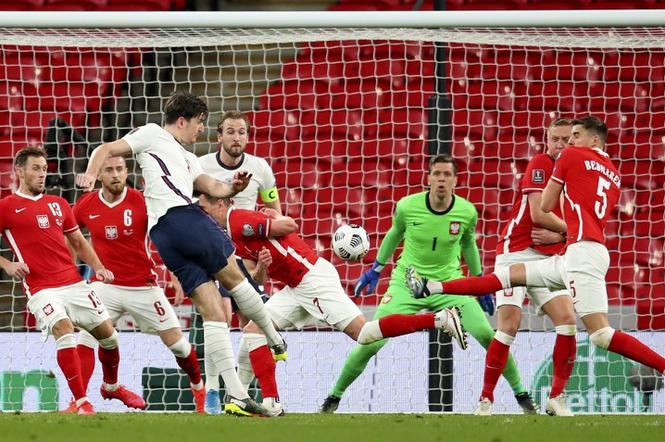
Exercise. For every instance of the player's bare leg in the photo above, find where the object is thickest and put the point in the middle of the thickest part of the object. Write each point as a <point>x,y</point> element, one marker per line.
<point>250,304</point>
<point>185,356</point>
<point>604,336</point>
<point>69,363</point>
<point>109,356</point>
<point>217,344</point>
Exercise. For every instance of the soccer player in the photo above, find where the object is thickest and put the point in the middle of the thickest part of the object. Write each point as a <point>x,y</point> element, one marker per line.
<point>436,227</point>
<point>232,136</point>
<point>36,225</point>
<point>313,290</point>
<point>190,243</point>
<point>591,186</point>
<point>531,235</point>
<point>117,220</point>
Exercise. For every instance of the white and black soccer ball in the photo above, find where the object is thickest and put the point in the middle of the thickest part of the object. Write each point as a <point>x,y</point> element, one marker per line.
<point>350,242</point>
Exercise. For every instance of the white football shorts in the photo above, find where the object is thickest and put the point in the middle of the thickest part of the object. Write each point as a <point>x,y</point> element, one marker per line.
<point>318,297</point>
<point>78,302</point>
<point>538,296</point>
<point>581,270</point>
<point>149,307</point>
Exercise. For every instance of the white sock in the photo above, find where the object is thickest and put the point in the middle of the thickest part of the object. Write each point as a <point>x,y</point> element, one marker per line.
<point>251,305</point>
<point>248,343</point>
<point>434,287</point>
<point>212,373</point>
<point>217,345</point>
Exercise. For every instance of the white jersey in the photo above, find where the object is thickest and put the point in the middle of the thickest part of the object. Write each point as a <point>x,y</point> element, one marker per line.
<point>262,181</point>
<point>168,169</point>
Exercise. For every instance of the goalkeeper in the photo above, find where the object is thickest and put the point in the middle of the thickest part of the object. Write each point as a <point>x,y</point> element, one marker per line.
<point>436,226</point>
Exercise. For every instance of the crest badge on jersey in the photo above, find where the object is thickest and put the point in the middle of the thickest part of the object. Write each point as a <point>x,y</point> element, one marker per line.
<point>247,230</point>
<point>111,232</point>
<point>454,228</point>
<point>538,176</point>
<point>48,309</point>
<point>42,221</point>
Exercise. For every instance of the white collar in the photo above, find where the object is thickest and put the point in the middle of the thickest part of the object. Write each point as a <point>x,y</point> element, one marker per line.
<point>29,197</point>
<point>115,203</point>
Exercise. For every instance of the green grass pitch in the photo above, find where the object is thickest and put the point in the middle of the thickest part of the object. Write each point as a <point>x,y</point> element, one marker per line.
<point>144,427</point>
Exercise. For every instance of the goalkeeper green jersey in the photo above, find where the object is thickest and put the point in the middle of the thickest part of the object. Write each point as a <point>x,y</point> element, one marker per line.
<point>433,241</point>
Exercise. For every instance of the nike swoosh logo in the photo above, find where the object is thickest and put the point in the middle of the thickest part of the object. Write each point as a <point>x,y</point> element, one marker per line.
<point>20,210</point>
<point>161,321</point>
<point>93,216</point>
<point>417,224</point>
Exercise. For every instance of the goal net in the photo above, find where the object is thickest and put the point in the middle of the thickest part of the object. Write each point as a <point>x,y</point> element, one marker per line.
<point>347,118</point>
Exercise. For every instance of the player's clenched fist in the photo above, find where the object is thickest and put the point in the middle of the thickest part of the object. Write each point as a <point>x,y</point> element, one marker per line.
<point>240,181</point>
<point>17,270</point>
<point>86,181</point>
<point>105,275</point>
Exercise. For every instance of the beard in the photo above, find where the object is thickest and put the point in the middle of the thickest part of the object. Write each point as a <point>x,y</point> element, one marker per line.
<point>233,151</point>
<point>116,189</point>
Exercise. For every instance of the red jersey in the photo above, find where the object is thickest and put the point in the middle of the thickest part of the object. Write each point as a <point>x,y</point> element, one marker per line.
<point>292,258</point>
<point>119,233</point>
<point>591,189</point>
<point>35,228</point>
<point>516,235</point>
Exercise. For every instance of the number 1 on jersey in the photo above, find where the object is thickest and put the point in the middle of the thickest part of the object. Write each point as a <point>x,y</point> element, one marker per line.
<point>434,243</point>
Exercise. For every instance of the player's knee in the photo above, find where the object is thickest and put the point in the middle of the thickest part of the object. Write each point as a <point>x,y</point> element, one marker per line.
<point>602,338</point>
<point>504,337</point>
<point>251,327</point>
<point>181,349</point>
<point>66,341</point>
<point>370,332</point>
<point>566,330</point>
<point>87,339</point>
<point>111,342</point>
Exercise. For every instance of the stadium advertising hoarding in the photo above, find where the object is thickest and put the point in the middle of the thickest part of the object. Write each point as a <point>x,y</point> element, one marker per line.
<point>396,381</point>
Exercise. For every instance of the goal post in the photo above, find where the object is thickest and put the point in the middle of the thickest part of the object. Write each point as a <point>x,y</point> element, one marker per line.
<point>347,108</point>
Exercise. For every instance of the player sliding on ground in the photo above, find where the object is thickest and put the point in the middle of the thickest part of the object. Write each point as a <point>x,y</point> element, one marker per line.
<point>437,227</point>
<point>313,291</point>
<point>591,186</point>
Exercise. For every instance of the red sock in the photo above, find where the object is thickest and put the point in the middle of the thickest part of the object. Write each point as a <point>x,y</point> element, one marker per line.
<point>264,366</point>
<point>495,361</point>
<point>398,325</point>
<point>563,361</point>
<point>474,285</point>
<point>69,363</point>
<point>190,365</point>
<point>632,348</point>
<point>110,360</point>
<point>87,358</point>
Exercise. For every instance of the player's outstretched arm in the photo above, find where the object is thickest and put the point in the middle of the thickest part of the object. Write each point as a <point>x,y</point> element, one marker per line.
<point>117,148</point>
<point>87,254</point>
<point>394,236</point>
<point>207,184</point>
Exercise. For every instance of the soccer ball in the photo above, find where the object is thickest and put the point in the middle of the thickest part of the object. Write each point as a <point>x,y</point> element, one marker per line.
<point>350,242</point>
